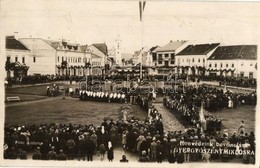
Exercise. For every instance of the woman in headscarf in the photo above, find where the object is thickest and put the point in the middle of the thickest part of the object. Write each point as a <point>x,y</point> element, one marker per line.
<point>110,152</point>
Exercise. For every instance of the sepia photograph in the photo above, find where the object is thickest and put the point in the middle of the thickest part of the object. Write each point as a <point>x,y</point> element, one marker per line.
<point>129,83</point>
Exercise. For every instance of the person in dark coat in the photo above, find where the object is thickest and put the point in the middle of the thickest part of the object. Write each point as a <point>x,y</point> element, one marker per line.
<point>90,147</point>
<point>110,152</point>
<point>22,154</point>
<point>81,147</point>
<point>159,151</point>
<point>61,156</point>
<point>37,154</point>
<point>144,157</point>
<point>102,150</point>
<point>12,154</point>
<point>52,154</point>
<point>45,148</point>
<point>123,159</point>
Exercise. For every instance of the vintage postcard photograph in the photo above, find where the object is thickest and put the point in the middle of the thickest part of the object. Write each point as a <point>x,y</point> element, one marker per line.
<point>129,83</point>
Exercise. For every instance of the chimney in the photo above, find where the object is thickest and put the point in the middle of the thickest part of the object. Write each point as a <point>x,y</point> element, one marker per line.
<point>16,35</point>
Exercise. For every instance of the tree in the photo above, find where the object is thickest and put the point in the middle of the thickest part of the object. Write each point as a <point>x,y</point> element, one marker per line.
<point>9,67</point>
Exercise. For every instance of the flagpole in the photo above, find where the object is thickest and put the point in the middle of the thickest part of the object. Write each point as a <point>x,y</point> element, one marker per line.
<point>141,39</point>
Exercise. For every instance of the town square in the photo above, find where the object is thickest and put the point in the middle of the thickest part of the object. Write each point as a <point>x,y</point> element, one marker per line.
<point>139,81</point>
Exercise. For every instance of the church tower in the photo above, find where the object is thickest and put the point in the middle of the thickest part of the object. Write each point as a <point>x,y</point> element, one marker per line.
<point>118,51</point>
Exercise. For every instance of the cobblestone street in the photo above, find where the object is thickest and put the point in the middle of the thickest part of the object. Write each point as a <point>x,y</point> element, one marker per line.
<point>170,122</point>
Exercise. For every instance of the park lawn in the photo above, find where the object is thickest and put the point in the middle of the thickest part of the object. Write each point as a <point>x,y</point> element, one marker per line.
<point>25,97</point>
<point>231,118</point>
<point>32,90</point>
<point>67,111</point>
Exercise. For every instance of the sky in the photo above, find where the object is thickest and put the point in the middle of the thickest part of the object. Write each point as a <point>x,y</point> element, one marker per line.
<point>87,22</point>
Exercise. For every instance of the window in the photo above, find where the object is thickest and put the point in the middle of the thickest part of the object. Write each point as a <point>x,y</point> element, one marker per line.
<point>242,64</point>
<point>210,65</point>
<point>172,56</point>
<point>23,60</point>
<point>8,58</point>
<point>34,59</point>
<point>58,59</point>
<point>62,58</point>
<point>198,60</point>
<point>232,65</point>
<point>221,65</point>
<point>203,60</point>
<point>192,59</point>
<point>166,55</point>
<point>154,57</point>
<point>160,62</point>
<point>160,56</point>
<point>172,62</point>
<point>79,59</point>
<point>16,59</point>
<point>166,63</point>
<point>251,64</point>
<point>216,65</point>
<point>226,64</point>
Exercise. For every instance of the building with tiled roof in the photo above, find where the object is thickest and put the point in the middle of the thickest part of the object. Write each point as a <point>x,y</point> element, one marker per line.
<point>100,62</point>
<point>165,56</point>
<point>235,60</point>
<point>50,57</point>
<point>17,56</point>
<point>102,47</point>
<point>193,58</point>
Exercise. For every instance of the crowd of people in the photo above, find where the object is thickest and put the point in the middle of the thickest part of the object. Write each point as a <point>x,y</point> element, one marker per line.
<point>213,98</point>
<point>144,138</point>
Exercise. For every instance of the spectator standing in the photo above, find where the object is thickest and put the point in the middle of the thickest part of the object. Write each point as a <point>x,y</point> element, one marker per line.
<point>110,152</point>
<point>102,150</point>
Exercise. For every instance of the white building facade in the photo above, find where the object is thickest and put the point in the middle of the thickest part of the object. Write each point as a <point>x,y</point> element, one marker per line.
<point>192,60</point>
<point>237,61</point>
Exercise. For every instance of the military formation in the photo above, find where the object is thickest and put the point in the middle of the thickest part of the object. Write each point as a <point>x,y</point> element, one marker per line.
<point>85,95</point>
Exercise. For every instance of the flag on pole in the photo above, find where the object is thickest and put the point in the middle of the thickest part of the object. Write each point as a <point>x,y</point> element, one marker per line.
<point>141,9</point>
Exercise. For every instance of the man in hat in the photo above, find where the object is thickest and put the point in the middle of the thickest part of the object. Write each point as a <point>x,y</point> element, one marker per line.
<point>37,154</point>
<point>159,151</point>
<point>52,154</point>
<point>144,157</point>
<point>153,150</point>
<point>61,156</point>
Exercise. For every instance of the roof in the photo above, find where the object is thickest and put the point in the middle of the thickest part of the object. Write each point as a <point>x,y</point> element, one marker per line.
<point>12,43</point>
<point>66,46</point>
<point>153,48</point>
<point>235,52</point>
<point>102,47</point>
<point>199,49</point>
<point>171,46</point>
